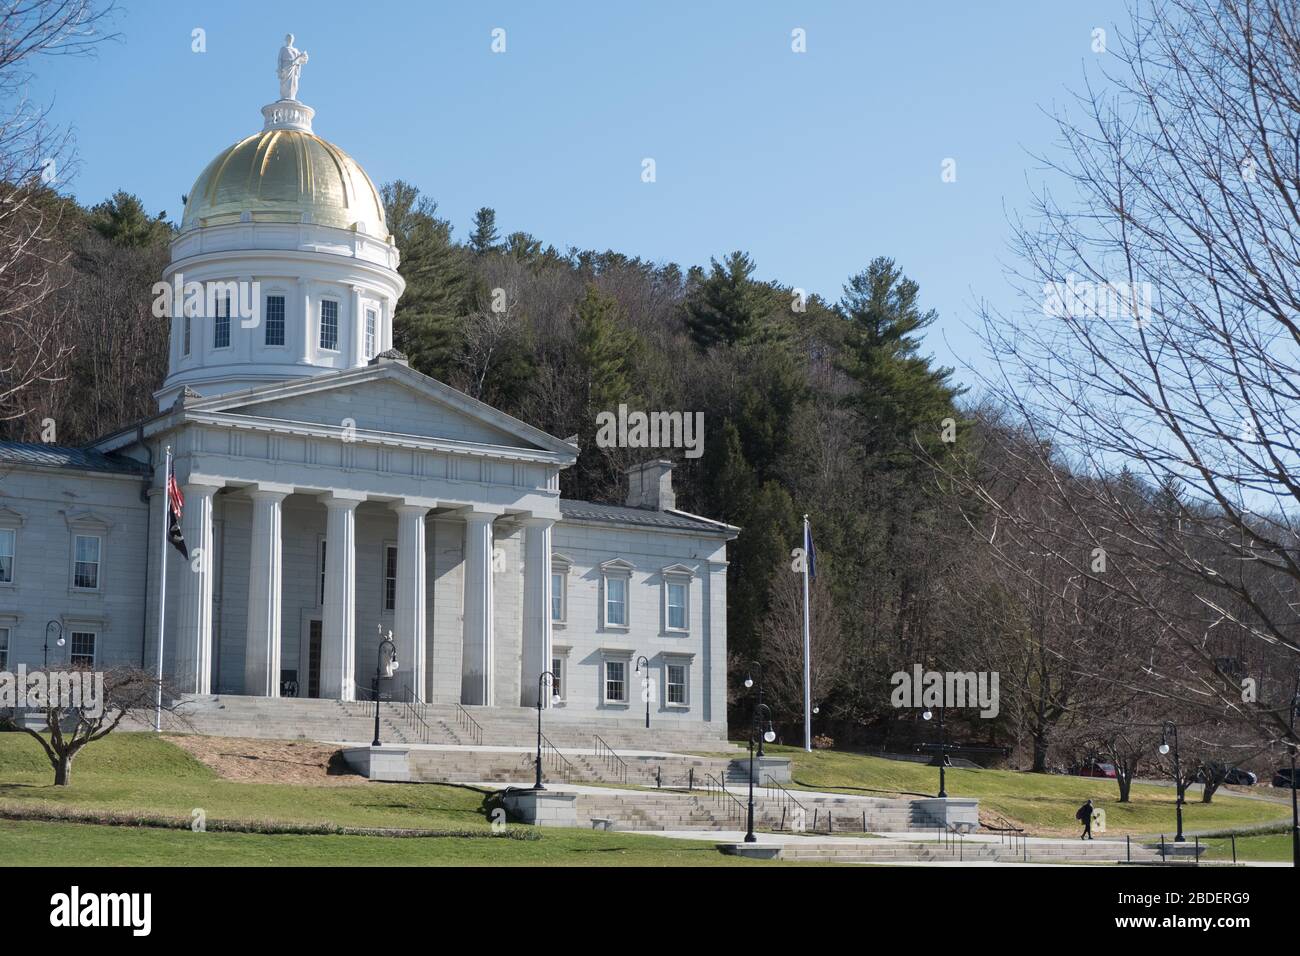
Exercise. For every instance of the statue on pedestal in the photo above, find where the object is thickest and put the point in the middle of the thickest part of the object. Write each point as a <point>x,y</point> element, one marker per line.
<point>289,68</point>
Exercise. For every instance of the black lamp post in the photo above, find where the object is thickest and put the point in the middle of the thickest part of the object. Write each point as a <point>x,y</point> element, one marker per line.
<point>769,735</point>
<point>384,667</point>
<point>749,682</point>
<point>1295,810</point>
<point>57,643</point>
<point>943,749</point>
<point>542,678</point>
<point>645,686</point>
<point>1171,729</point>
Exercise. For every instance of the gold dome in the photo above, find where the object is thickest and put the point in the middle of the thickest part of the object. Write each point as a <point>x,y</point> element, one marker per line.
<point>278,175</point>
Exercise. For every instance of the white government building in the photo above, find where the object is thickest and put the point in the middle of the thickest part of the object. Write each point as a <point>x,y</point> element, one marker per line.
<point>331,492</point>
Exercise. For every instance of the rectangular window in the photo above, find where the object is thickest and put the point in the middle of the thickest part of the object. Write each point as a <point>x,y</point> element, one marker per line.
<point>322,573</point>
<point>390,577</point>
<point>676,606</point>
<point>4,649</point>
<point>85,569</point>
<point>274,320</point>
<point>615,682</point>
<point>372,328</point>
<point>187,330</point>
<point>557,669</point>
<point>677,683</point>
<point>221,330</point>
<point>557,596</point>
<point>329,325</point>
<point>616,601</point>
<point>8,540</point>
<point>82,653</point>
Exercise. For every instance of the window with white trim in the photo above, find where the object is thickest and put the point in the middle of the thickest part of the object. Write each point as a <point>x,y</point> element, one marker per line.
<point>85,563</point>
<point>4,648</point>
<point>557,595</point>
<point>677,617</point>
<point>616,682</point>
<point>81,651</point>
<point>329,325</point>
<point>557,671</point>
<point>274,320</point>
<point>616,598</point>
<point>675,685</point>
<point>390,577</point>
<point>372,330</point>
<point>221,325</point>
<point>187,333</point>
<point>8,546</point>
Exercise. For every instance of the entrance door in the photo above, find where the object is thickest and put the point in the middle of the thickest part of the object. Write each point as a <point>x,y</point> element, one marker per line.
<point>313,656</point>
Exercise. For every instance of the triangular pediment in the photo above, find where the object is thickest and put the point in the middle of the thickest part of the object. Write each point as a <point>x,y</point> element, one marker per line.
<point>389,399</point>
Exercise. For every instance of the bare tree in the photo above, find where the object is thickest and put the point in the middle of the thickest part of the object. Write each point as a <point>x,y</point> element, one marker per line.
<point>782,644</point>
<point>71,725</point>
<point>1163,338</point>
<point>34,156</point>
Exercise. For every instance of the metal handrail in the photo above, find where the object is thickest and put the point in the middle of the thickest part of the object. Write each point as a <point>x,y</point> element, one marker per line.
<point>411,710</point>
<point>784,798</point>
<point>721,795</point>
<point>561,764</point>
<point>610,758</point>
<point>469,725</point>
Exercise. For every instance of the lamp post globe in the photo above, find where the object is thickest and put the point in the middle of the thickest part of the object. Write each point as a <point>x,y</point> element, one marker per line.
<point>645,686</point>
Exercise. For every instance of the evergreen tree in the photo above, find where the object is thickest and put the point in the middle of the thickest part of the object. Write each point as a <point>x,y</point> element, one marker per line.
<point>123,221</point>
<point>439,287</point>
<point>727,306</point>
<point>484,238</point>
<point>901,398</point>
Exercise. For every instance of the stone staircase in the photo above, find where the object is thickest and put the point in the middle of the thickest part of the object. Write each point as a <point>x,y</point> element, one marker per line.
<point>353,721</point>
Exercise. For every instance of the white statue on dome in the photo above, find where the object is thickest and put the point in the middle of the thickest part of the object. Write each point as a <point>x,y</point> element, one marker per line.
<point>289,67</point>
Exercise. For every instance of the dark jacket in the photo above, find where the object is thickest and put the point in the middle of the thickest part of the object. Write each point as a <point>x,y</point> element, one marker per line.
<point>1084,812</point>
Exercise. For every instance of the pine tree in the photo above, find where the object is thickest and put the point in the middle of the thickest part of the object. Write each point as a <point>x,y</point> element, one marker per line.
<point>727,306</point>
<point>123,221</point>
<point>901,399</point>
<point>439,286</point>
<point>484,238</point>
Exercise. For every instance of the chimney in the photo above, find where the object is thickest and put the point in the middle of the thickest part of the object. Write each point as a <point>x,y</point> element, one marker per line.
<point>650,485</point>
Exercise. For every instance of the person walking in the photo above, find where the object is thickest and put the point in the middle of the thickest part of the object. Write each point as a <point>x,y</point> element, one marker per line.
<point>1084,816</point>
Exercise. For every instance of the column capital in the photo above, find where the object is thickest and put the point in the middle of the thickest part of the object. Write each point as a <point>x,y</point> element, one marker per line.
<point>478,515</point>
<point>341,499</point>
<point>202,489</point>
<point>412,506</point>
<point>266,490</point>
<point>531,521</point>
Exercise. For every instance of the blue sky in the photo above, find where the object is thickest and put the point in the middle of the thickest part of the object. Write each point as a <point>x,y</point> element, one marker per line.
<point>814,163</point>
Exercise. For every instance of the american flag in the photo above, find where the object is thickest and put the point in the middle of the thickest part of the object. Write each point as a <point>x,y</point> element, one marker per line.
<point>175,507</point>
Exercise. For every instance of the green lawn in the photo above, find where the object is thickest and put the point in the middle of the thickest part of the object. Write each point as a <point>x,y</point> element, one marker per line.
<point>72,844</point>
<point>1043,803</point>
<point>138,772</point>
<point>1272,847</point>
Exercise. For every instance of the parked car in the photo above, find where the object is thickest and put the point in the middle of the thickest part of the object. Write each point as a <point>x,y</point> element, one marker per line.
<point>1283,778</point>
<point>1093,769</point>
<point>1237,776</point>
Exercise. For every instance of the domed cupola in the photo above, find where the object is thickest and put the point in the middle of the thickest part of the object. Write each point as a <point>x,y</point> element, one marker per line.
<point>283,266</point>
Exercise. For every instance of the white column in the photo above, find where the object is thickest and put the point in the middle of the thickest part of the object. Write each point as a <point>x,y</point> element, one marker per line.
<point>193,665</point>
<point>477,663</point>
<point>537,609</point>
<point>262,648</point>
<point>339,619</point>
<point>409,619</point>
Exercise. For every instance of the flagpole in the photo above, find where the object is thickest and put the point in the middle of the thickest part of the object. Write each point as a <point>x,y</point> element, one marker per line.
<point>162,587</point>
<point>807,643</point>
